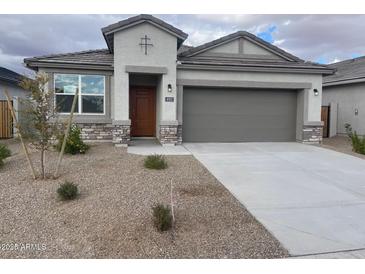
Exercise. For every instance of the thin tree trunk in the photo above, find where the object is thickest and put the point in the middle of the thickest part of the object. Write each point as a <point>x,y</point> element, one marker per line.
<point>66,134</point>
<point>20,134</point>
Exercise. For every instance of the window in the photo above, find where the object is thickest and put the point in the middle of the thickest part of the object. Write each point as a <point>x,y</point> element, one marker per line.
<point>91,99</point>
<point>65,88</point>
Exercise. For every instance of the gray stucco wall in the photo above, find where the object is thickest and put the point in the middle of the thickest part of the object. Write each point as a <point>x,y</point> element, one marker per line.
<point>128,52</point>
<point>13,89</point>
<point>333,121</point>
<point>300,114</point>
<point>239,48</point>
<point>349,98</point>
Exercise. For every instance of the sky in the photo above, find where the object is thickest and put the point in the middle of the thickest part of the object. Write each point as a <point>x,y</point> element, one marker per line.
<point>319,38</point>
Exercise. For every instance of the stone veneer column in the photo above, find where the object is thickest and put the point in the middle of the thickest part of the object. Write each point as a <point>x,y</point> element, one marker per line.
<point>121,133</point>
<point>312,133</point>
<point>170,133</point>
<point>96,132</point>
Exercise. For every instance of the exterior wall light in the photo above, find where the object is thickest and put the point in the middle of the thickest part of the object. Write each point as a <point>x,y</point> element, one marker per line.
<point>316,92</point>
<point>169,88</point>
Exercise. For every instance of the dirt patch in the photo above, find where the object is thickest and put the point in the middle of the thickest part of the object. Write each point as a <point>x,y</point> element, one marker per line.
<point>341,144</point>
<point>112,218</point>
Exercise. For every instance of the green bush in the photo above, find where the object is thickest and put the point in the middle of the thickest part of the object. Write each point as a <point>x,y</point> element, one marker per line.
<point>155,162</point>
<point>162,217</point>
<point>4,153</point>
<point>358,143</point>
<point>68,191</point>
<point>74,143</point>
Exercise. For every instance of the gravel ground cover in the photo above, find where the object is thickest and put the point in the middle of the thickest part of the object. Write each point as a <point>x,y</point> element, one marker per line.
<point>341,144</point>
<point>112,218</point>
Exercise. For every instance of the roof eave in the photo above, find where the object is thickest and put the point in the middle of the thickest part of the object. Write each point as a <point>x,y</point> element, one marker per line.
<point>35,65</point>
<point>8,80</point>
<point>256,68</point>
<point>110,48</point>
<point>240,34</point>
<point>344,82</point>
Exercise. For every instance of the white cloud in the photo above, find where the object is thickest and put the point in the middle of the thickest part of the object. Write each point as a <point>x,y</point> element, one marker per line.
<point>279,42</point>
<point>13,62</point>
<point>310,37</point>
<point>334,61</point>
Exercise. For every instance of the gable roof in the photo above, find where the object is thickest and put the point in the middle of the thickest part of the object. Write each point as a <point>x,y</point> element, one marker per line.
<point>347,71</point>
<point>10,76</point>
<point>236,35</point>
<point>101,58</point>
<point>108,32</point>
<point>183,48</point>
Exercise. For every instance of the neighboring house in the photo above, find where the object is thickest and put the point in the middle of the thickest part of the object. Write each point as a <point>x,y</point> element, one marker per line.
<point>148,84</point>
<point>344,97</point>
<point>9,80</point>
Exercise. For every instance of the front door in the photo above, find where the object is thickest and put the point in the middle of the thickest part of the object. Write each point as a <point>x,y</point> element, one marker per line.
<point>142,111</point>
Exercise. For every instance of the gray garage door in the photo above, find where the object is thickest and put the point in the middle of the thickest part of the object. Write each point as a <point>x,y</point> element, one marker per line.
<point>238,115</point>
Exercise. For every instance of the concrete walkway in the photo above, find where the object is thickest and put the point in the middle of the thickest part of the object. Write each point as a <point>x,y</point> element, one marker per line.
<point>152,146</point>
<point>312,199</point>
<point>351,254</point>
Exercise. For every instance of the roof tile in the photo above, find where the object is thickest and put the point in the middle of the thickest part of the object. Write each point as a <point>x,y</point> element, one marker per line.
<point>347,70</point>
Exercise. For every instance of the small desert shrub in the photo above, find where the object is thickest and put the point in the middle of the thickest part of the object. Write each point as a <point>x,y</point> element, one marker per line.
<point>74,143</point>
<point>358,143</point>
<point>155,162</point>
<point>68,191</point>
<point>4,153</point>
<point>162,217</point>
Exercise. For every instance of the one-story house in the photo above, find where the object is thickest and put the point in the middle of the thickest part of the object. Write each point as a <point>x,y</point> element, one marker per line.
<point>344,97</point>
<point>148,84</point>
<point>9,80</point>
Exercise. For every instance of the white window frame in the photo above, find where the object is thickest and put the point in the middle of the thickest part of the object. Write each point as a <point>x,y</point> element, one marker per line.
<point>80,94</point>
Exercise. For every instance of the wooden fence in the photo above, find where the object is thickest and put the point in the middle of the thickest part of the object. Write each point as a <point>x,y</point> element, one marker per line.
<point>6,121</point>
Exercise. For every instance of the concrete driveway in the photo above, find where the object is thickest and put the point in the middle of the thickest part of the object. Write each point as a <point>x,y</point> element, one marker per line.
<point>312,199</point>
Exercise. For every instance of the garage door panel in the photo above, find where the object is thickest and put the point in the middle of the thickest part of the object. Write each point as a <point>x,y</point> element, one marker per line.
<point>226,121</point>
<point>240,135</point>
<point>227,115</point>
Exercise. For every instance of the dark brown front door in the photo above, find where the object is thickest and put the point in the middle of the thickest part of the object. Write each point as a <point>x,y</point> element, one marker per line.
<point>325,120</point>
<point>142,107</point>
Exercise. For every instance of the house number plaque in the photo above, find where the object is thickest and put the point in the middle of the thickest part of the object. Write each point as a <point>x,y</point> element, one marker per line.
<point>169,99</point>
